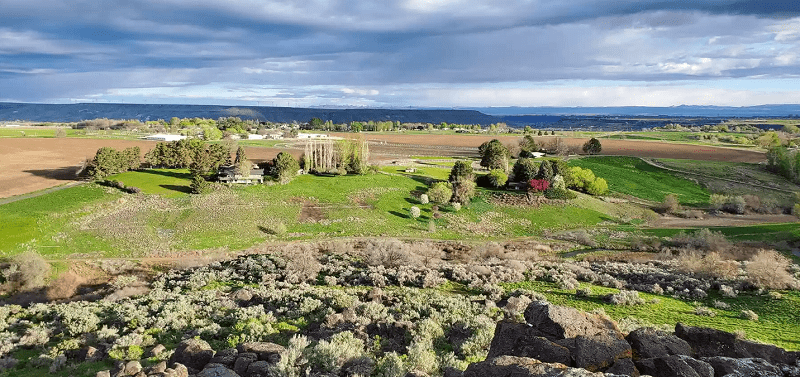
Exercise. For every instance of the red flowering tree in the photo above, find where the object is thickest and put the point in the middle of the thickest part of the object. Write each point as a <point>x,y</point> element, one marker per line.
<point>538,185</point>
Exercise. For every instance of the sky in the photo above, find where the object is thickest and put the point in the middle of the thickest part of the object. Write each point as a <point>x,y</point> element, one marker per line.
<point>404,53</point>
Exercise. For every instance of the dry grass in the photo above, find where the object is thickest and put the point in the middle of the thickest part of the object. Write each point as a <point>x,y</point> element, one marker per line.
<point>65,286</point>
<point>769,269</point>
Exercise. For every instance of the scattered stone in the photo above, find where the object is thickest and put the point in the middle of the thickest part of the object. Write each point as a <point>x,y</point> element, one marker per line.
<point>258,369</point>
<point>132,368</point>
<point>103,373</point>
<point>192,353</point>
<point>157,350</point>
<point>226,357</point>
<point>217,370</point>
<point>89,353</point>
<point>358,366</point>
<point>243,361</point>
<point>269,352</point>
<point>180,370</point>
<point>158,368</point>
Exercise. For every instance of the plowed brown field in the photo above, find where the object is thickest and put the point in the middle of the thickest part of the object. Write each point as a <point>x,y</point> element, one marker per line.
<point>32,164</point>
<point>635,148</point>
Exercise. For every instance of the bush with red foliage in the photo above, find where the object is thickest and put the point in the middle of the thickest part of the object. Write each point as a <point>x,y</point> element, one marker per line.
<point>538,185</point>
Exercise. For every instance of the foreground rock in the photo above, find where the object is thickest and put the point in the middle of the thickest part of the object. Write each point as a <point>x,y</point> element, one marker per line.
<point>561,341</point>
<point>512,366</point>
<point>194,354</point>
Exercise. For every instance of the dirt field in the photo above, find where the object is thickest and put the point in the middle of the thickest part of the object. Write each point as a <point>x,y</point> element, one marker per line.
<point>408,145</point>
<point>32,164</point>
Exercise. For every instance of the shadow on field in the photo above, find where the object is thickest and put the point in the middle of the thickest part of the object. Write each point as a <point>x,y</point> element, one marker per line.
<point>401,215</point>
<point>69,173</point>
<point>168,174</point>
<point>183,189</point>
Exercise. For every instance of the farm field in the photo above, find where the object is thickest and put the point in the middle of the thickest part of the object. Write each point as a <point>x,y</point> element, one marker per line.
<point>405,144</point>
<point>32,164</point>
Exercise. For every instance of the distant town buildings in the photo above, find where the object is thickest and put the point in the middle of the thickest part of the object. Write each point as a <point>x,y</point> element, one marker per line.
<point>164,137</point>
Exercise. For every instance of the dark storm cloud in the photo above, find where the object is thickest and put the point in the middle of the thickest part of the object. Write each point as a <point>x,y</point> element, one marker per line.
<point>56,51</point>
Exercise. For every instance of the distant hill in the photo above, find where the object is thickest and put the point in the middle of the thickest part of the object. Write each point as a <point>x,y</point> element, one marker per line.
<point>673,111</point>
<point>83,111</point>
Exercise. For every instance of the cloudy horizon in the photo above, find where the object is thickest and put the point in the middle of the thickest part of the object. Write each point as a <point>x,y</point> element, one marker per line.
<point>411,53</point>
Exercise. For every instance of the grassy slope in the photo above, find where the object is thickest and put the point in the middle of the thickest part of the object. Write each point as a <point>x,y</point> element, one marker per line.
<point>764,232</point>
<point>777,322</point>
<point>632,176</point>
<point>35,221</point>
<point>89,219</point>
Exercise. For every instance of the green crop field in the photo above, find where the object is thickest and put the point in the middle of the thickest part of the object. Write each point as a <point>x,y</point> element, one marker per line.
<point>763,232</point>
<point>632,176</point>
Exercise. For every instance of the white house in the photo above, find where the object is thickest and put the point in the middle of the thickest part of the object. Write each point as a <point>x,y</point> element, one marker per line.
<point>255,137</point>
<point>164,137</point>
<point>311,136</point>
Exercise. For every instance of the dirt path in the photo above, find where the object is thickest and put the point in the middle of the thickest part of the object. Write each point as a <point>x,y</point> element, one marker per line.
<point>720,220</point>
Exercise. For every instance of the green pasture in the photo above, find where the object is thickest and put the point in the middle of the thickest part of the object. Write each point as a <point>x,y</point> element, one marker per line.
<point>107,222</point>
<point>777,323</point>
<point>169,183</point>
<point>762,232</point>
<point>632,176</point>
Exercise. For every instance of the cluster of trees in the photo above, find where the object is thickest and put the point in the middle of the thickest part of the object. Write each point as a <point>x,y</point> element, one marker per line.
<point>108,161</point>
<point>200,157</point>
<point>785,162</point>
<point>336,157</point>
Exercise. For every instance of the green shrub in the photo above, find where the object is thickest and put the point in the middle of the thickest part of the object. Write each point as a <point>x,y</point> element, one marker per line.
<point>440,192</point>
<point>525,169</point>
<point>497,178</point>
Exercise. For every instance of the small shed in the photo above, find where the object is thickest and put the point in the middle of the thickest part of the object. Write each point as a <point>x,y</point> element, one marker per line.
<point>411,170</point>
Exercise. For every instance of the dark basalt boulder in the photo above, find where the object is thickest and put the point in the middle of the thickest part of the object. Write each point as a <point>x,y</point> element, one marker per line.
<point>193,354</point>
<point>707,342</point>
<point>513,366</point>
<point>596,354</point>
<point>560,322</point>
<point>674,366</point>
<point>519,339</point>
<point>269,352</point>
<point>649,343</point>
<point>726,366</point>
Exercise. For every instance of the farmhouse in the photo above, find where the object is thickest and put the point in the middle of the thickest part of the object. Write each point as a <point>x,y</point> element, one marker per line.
<point>228,174</point>
<point>164,137</point>
<point>311,136</point>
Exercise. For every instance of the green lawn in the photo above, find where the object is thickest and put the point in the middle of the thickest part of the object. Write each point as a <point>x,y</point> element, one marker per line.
<point>632,176</point>
<point>169,183</point>
<point>777,323</point>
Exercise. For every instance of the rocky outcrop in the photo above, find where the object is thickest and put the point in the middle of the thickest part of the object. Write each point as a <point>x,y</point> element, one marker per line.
<point>512,366</point>
<point>710,342</point>
<point>561,341</point>
<point>649,343</point>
